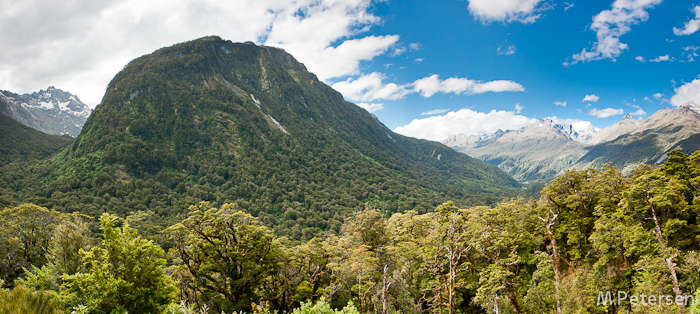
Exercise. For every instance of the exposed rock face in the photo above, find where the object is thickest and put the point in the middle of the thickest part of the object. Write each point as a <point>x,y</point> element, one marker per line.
<point>51,111</point>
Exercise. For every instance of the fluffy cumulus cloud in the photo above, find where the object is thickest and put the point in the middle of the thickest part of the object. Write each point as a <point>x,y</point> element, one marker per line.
<point>605,113</point>
<point>431,85</point>
<point>590,98</point>
<point>80,45</point>
<point>609,25</point>
<point>691,26</point>
<point>372,87</point>
<point>371,107</point>
<point>688,92</point>
<point>464,121</point>
<point>560,103</point>
<point>661,59</point>
<point>523,11</point>
<point>640,111</point>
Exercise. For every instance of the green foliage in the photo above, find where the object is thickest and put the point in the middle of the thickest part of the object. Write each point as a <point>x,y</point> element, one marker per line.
<point>25,234</point>
<point>126,275</point>
<point>183,125</point>
<point>21,143</point>
<point>323,307</point>
<point>22,300</point>
<point>226,256</point>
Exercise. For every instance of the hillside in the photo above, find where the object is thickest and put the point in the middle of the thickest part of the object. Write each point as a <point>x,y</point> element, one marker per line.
<point>20,143</point>
<point>225,122</point>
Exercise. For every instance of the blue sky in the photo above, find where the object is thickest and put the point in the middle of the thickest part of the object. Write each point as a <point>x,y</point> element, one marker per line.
<point>537,55</point>
<point>427,69</point>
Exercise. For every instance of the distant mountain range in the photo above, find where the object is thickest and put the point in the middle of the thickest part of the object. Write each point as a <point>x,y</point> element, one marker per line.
<point>544,150</point>
<point>51,111</point>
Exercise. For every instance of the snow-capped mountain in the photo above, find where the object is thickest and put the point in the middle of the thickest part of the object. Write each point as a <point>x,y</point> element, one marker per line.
<point>547,148</point>
<point>51,111</point>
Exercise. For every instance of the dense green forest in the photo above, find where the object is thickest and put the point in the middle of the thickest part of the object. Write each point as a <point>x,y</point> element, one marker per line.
<point>589,232</point>
<point>22,143</point>
<point>211,120</point>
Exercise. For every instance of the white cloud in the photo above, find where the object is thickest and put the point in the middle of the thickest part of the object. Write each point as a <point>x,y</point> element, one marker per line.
<point>518,108</point>
<point>431,85</point>
<point>591,98</point>
<point>372,87</point>
<point>640,111</point>
<point>398,50</point>
<point>415,46</point>
<point>568,6</point>
<point>690,52</point>
<point>418,60</point>
<point>658,95</point>
<point>329,62</point>
<point>560,103</point>
<point>434,112</point>
<point>523,11</point>
<point>609,25</point>
<point>605,113</point>
<point>688,92</point>
<point>661,59</point>
<point>691,26</point>
<point>370,107</point>
<point>80,45</point>
<point>639,58</point>
<point>464,121</point>
<point>506,50</point>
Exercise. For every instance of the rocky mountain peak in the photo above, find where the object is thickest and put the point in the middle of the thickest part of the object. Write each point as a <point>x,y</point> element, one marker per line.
<point>52,111</point>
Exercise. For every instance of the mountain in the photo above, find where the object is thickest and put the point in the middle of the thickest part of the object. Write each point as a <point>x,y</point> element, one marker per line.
<point>546,149</point>
<point>51,111</point>
<point>648,141</point>
<point>239,123</point>
<point>20,143</point>
<point>537,152</point>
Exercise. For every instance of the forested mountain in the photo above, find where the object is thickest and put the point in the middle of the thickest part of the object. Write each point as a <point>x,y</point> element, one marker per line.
<point>51,111</point>
<point>239,123</point>
<point>19,142</point>
<point>544,150</point>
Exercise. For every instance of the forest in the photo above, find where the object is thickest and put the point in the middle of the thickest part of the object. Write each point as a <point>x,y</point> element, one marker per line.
<point>593,242</point>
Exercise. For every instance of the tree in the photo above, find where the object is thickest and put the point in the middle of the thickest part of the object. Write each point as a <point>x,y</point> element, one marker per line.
<point>25,234</point>
<point>442,238</point>
<point>227,256</point>
<point>658,198</point>
<point>63,257</point>
<point>124,275</point>
<point>505,242</point>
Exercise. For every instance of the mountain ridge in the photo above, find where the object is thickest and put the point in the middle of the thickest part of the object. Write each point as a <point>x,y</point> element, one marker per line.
<point>52,111</point>
<point>531,155</point>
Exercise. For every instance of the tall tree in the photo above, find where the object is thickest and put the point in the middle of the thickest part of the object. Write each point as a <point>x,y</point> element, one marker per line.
<point>227,255</point>
<point>124,275</point>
